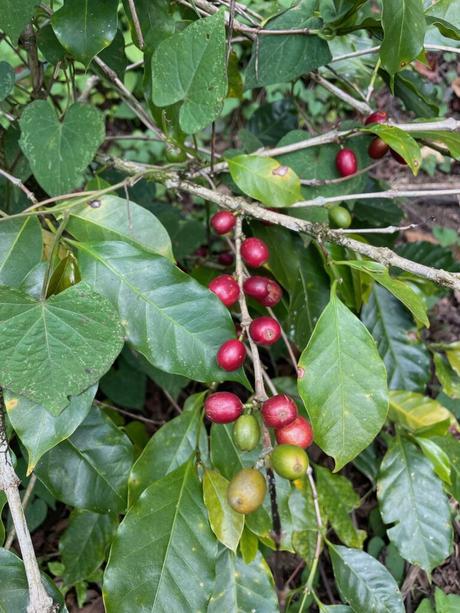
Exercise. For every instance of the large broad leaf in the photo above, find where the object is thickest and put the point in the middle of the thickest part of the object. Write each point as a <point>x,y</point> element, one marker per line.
<point>175,322</point>
<point>60,151</point>
<point>170,447</point>
<point>282,58</point>
<point>343,384</point>
<point>418,413</point>
<point>399,141</point>
<point>115,219</point>
<point>445,15</point>
<point>451,447</point>
<point>413,503</point>
<point>190,67</point>
<point>84,544</point>
<point>226,523</point>
<point>337,496</point>
<point>75,336</point>
<point>404,28</point>
<point>39,430</point>
<point>265,179</point>
<point>85,27</point>
<point>90,469</point>
<point>407,361</point>
<point>243,587</point>
<point>364,582</point>
<point>163,556</point>
<point>20,249</point>
<point>14,589</point>
<point>14,16</point>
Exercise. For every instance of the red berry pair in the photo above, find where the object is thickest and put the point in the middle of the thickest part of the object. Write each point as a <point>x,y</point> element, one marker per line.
<point>280,412</point>
<point>266,291</point>
<point>377,147</point>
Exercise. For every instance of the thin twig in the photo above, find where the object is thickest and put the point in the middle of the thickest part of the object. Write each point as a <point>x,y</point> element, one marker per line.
<point>361,107</point>
<point>25,503</point>
<point>286,341</point>
<point>316,182</point>
<point>136,22</point>
<point>112,407</point>
<point>19,184</point>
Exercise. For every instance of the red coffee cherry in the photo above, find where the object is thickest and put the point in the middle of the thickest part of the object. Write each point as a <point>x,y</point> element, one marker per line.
<point>223,221</point>
<point>299,432</point>
<point>254,252</point>
<point>226,258</point>
<point>231,355</point>
<point>279,411</point>
<point>377,148</point>
<point>395,155</point>
<point>274,294</point>
<point>256,287</point>
<point>223,407</point>
<point>376,117</point>
<point>346,162</point>
<point>226,288</point>
<point>265,330</point>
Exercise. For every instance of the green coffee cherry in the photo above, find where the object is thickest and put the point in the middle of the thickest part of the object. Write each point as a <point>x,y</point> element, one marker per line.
<point>289,461</point>
<point>246,432</point>
<point>247,490</point>
<point>339,217</point>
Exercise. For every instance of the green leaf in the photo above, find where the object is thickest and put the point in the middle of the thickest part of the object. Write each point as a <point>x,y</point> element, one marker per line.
<point>125,385</point>
<point>175,322</point>
<point>265,179</point>
<point>445,15</point>
<point>170,447</point>
<point>450,139</point>
<point>343,385</point>
<point>191,67</point>
<point>49,45</point>
<point>399,141</point>
<point>84,544</point>
<point>283,58</point>
<point>249,546</point>
<point>451,447</point>
<point>225,455</point>
<point>40,431</point>
<point>115,219</point>
<point>402,291</point>
<point>20,249</point>
<point>337,496</point>
<point>243,587</point>
<point>114,56</point>
<point>163,556</point>
<point>414,92</point>
<point>226,523</point>
<point>448,378</point>
<point>413,503</point>
<point>417,413</point>
<point>15,15</point>
<point>7,79</point>
<point>446,603</point>
<point>90,469</point>
<point>85,27</point>
<point>404,28</point>
<point>407,360</point>
<point>14,590</point>
<point>76,337</point>
<point>59,152</point>
<point>364,582</point>
<point>438,458</point>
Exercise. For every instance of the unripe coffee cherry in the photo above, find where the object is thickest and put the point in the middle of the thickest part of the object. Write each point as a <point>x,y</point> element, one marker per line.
<point>223,407</point>
<point>395,155</point>
<point>289,461</point>
<point>254,252</point>
<point>376,117</point>
<point>265,330</point>
<point>279,411</point>
<point>339,217</point>
<point>231,355</point>
<point>346,162</point>
<point>226,288</point>
<point>247,490</point>
<point>298,432</point>
<point>225,258</point>
<point>223,222</point>
<point>377,148</point>
<point>246,432</point>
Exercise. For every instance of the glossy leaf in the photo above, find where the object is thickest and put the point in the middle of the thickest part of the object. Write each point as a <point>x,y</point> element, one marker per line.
<point>450,139</point>
<point>84,544</point>
<point>175,322</point>
<point>163,547</point>
<point>404,28</point>
<point>190,66</point>
<point>20,249</point>
<point>445,15</point>
<point>7,79</point>
<point>15,15</point>
<point>39,430</point>
<point>399,141</point>
<point>418,413</point>
<point>90,469</point>
<point>59,152</point>
<point>343,385</point>
<point>448,378</point>
<point>451,447</point>
<point>413,503</point>
<point>406,360</point>
<point>115,219</point>
<point>243,587</point>
<point>171,446</point>
<point>76,334</point>
<point>85,27</point>
<point>226,456</point>
<point>437,456</point>
<point>364,582</point>
<point>265,179</point>
<point>226,523</point>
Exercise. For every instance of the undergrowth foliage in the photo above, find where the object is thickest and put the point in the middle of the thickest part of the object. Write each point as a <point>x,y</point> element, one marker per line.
<point>219,390</point>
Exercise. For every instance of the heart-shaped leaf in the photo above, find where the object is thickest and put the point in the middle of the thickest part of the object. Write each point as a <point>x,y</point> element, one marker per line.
<point>20,249</point>
<point>56,348</point>
<point>60,151</point>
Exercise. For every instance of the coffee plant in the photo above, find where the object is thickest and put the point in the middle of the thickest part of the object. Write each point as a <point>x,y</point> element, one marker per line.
<point>219,387</point>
